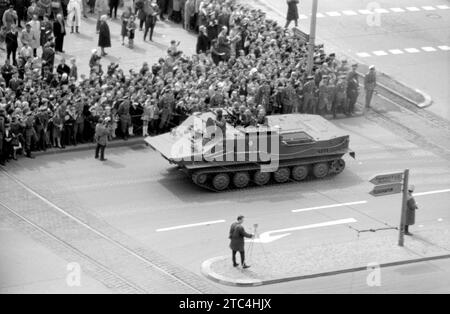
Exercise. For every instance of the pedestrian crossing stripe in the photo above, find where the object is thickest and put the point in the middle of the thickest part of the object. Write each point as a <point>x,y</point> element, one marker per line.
<point>381,53</point>
<point>377,11</point>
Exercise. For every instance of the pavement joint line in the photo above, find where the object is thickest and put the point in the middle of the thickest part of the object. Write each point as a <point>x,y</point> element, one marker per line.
<point>206,223</point>
<point>100,234</point>
<point>206,270</point>
<point>329,206</point>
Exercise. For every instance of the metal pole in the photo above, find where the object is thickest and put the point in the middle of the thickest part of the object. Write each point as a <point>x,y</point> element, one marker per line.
<point>401,236</point>
<point>312,36</point>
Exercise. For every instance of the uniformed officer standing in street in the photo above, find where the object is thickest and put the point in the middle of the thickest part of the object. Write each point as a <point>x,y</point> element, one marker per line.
<point>309,91</point>
<point>411,207</point>
<point>370,82</point>
<point>352,89</point>
<point>30,134</point>
<point>237,244</point>
<point>102,132</point>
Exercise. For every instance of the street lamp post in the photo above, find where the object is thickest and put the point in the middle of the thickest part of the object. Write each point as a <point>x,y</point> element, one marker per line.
<point>312,36</point>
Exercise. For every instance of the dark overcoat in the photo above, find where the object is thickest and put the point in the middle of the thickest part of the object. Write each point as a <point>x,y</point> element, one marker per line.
<point>292,13</point>
<point>411,207</point>
<point>237,235</point>
<point>104,38</point>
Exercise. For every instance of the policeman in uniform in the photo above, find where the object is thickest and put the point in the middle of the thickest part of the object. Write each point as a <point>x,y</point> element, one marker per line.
<point>352,90</point>
<point>30,134</point>
<point>411,207</point>
<point>237,242</point>
<point>341,96</point>
<point>323,94</point>
<point>370,82</point>
<point>309,93</point>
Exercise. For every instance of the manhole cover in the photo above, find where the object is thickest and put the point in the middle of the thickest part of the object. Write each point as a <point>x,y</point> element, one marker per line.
<point>434,16</point>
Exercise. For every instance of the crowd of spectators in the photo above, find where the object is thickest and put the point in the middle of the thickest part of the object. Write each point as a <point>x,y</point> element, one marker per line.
<point>244,62</point>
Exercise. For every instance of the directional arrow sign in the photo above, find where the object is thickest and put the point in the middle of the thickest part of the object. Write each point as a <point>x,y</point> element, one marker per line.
<point>387,178</point>
<point>387,189</point>
<point>268,236</point>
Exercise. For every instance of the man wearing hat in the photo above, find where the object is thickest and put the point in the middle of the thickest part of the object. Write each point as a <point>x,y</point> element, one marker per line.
<point>309,94</point>
<point>411,207</point>
<point>30,133</point>
<point>370,82</point>
<point>237,242</point>
<point>352,89</point>
<point>102,133</point>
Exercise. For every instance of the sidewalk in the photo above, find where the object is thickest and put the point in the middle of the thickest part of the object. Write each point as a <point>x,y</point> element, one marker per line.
<point>81,45</point>
<point>270,265</point>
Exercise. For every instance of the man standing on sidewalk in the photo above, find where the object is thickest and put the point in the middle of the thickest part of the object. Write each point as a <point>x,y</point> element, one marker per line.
<point>102,132</point>
<point>370,82</point>
<point>237,244</point>
<point>411,207</point>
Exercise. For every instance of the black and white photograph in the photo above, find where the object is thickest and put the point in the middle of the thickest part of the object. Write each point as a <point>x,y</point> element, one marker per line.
<point>219,155</point>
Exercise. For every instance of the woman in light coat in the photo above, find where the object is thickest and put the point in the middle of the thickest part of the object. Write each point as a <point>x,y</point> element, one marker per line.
<point>36,31</point>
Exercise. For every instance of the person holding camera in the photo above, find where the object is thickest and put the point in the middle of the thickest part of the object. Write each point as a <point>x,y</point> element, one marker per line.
<point>237,244</point>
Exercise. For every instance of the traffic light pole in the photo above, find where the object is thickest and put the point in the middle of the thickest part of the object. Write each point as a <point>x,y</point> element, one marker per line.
<point>401,236</point>
<point>312,36</point>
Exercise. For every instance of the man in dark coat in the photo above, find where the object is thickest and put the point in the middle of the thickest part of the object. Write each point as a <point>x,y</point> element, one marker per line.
<point>104,38</point>
<point>151,17</point>
<point>48,57</point>
<point>411,207</point>
<point>59,31</point>
<point>370,83</point>
<point>237,244</point>
<point>292,13</point>
<point>203,42</point>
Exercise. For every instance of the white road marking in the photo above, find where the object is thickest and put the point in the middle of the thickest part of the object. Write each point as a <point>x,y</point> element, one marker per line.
<point>349,12</point>
<point>363,54</point>
<point>333,14</point>
<point>303,17</point>
<point>206,223</point>
<point>412,50</point>
<point>381,10</point>
<point>397,10</point>
<point>328,206</point>
<point>365,12</point>
<point>443,7</point>
<point>428,49</point>
<point>428,8</point>
<point>432,192</point>
<point>445,48</point>
<point>320,15</point>
<point>396,51</point>
<point>380,53</point>
<point>440,220</point>
<point>267,237</point>
<point>413,9</point>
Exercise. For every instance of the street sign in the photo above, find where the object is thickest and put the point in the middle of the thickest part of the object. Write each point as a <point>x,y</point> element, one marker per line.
<point>387,178</point>
<point>301,35</point>
<point>387,189</point>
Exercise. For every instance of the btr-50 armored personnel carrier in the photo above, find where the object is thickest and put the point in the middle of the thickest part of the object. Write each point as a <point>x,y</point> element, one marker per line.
<point>287,147</point>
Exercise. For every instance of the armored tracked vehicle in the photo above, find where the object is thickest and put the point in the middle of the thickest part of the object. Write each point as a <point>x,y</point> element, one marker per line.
<point>286,148</point>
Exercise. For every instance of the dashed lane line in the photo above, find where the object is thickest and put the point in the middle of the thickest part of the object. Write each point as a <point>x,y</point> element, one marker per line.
<point>397,51</point>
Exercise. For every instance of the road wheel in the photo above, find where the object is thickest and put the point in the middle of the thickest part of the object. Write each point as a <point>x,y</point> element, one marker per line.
<point>221,181</point>
<point>299,173</point>
<point>282,175</point>
<point>241,180</point>
<point>261,178</point>
<point>199,178</point>
<point>337,166</point>
<point>320,170</point>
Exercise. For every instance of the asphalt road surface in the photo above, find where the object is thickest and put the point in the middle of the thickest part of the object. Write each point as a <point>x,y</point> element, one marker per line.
<point>407,39</point>
<point>137,193</point>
